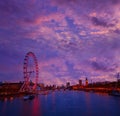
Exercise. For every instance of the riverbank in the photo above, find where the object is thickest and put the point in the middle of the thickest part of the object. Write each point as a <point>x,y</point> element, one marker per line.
<point>103,90</point>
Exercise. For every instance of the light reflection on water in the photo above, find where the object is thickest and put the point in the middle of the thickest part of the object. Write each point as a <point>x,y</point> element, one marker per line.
<point>63,103</point>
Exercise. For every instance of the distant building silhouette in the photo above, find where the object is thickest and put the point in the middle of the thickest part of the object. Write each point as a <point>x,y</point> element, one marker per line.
<point>86,82</point>
<point>67,84</point>
<point>80,82</point>
<point>118,77</point>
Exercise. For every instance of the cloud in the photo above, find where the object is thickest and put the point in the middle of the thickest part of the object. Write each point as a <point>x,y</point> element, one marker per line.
<point>64,35</point>
<point>100,22</point>
<point>101,67</point>
<point>117,31</point>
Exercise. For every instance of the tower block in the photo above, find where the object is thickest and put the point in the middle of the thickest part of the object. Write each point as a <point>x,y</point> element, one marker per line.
<point>86,82</point>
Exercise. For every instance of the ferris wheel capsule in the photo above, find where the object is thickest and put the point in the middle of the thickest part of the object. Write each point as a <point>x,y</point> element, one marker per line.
<point>28,71</point>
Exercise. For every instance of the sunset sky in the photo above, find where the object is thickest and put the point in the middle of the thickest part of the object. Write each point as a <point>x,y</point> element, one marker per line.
<point>72,39</point>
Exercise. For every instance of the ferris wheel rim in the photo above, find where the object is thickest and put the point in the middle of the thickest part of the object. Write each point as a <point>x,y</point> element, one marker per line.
<point>25,67</point>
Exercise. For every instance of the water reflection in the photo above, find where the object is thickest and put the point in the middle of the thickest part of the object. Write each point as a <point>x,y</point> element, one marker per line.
<point>4,106</point>
<point>71,103</point>
<point>36,107</point>
<point>31,107</point>
<point>88,102</point>
<point>53,101</point>
<point>5,99</point>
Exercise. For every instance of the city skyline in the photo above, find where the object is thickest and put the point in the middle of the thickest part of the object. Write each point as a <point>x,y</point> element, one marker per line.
<point>72,39</point>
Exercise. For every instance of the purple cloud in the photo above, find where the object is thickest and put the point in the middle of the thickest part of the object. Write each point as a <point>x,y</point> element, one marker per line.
<point>101,67</point>
<point>99,22</point>
<point>72,38</point>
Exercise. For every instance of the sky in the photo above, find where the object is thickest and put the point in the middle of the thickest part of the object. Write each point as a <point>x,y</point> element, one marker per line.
<point>72,39</point>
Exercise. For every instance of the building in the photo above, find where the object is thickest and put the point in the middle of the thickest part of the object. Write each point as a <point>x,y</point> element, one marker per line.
<point>67,84</point>
<point>80,82</point>
<point>41,86</point>
<point>86,82</point>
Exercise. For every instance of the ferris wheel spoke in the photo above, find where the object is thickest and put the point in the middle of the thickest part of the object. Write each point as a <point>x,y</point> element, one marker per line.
<point>30,71</point>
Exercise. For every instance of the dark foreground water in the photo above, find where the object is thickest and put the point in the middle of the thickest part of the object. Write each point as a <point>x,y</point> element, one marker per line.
<point>63,103</point>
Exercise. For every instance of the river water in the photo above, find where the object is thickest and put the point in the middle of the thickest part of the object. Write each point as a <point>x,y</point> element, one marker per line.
<point>63,103</point>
